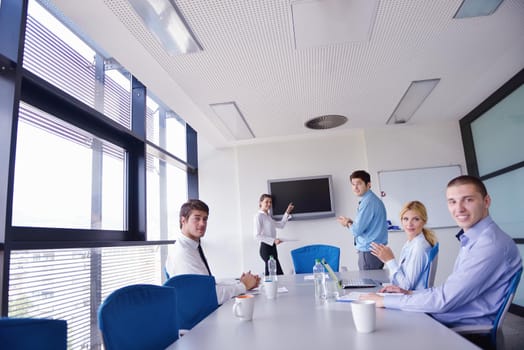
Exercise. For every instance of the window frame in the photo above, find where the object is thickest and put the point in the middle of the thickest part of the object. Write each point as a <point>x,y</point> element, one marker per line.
<point>23,85</point>
<point>467,134</point>
<point>469,146</point>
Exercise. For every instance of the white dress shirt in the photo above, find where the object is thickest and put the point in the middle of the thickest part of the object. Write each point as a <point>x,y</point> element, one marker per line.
<point>184,258</point>
<point>266,227</point>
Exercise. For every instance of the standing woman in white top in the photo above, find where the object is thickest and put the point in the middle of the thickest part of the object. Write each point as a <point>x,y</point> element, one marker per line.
<point>415,253</point>
<point>266,230</point>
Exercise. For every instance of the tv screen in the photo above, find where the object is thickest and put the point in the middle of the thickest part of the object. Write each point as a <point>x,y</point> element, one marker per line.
<point>311,196</point>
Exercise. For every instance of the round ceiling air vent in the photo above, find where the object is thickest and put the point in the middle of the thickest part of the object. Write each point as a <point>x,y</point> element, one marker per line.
<point>326,122</point>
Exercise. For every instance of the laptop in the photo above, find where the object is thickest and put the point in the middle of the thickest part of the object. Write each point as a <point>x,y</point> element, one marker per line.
<point>349,283</point>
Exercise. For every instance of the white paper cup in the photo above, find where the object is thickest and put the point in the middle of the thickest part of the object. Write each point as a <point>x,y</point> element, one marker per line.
<point>243,307</point>
<point>364,312</point>
<point>271,289</point>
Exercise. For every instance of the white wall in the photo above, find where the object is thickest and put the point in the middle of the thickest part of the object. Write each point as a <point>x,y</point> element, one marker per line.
<point>231,181</point>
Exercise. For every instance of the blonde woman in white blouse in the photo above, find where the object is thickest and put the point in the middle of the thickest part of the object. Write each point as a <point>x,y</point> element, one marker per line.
<point>408,273</point>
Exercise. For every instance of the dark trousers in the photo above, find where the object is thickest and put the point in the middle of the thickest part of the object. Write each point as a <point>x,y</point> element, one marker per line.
<point>265,251</point>
<point>367,261</point>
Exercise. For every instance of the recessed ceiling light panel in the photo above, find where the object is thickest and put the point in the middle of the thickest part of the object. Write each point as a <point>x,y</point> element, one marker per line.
<point>163,19</point>
<point>413,98</point>
<point>231,117</point>
<point>476,8</point>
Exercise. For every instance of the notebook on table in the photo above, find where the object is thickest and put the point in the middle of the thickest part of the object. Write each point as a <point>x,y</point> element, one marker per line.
<point>349,283</point>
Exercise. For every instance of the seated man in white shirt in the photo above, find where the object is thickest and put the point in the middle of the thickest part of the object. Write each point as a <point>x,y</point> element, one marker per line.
<point>186,256</point>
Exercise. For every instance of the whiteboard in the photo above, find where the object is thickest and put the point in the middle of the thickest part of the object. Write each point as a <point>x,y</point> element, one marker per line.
<point>427,185</point>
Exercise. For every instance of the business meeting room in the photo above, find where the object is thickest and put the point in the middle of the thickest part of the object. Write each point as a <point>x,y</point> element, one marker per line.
<point>261,174</point>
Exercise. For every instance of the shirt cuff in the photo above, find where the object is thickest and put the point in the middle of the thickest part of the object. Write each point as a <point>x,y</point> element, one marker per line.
<point>392,266</point>
<point>240,288</point>
<point>392,301</point>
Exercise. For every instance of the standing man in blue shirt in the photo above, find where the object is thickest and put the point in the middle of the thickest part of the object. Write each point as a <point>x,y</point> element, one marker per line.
<point>488,259</point>
<point>370,225</point>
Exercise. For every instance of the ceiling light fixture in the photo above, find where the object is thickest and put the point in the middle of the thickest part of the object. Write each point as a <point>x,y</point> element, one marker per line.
<point>165,22</point>
<point>413,98</point>
<point>476,8</point>
<point>329,121</point>
<point>233,120</point>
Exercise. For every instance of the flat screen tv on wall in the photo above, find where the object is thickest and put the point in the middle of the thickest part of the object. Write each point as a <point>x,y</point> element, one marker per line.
<point>312,197</point>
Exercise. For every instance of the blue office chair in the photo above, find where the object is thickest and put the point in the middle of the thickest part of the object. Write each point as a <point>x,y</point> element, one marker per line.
<point>199,296</point>
<point>304,257</point>
<point>141,316</point>
<point>430,270</point>
<point>33,333</point>
<point>495,328</point>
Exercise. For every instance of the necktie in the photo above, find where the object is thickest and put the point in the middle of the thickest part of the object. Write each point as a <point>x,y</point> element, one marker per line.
<point>201,252</point>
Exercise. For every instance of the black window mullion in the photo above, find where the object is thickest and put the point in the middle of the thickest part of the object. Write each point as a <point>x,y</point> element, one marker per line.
<point>192,160</point>
<point>12,33</point>
<point>12,29</point>
<point>136,169</point>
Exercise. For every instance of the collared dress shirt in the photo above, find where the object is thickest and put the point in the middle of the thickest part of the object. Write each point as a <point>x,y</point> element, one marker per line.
<point>265,228</point>
<point>414,257</point>
<point>370,225</point>
<point>473,292</point>
<point>184,258</point>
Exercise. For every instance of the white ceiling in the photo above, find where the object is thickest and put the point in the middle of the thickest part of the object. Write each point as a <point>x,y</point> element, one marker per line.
<point>249,57</point>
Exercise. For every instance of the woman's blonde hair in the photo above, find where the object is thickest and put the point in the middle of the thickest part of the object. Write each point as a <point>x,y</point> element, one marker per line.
<point>421,211</point>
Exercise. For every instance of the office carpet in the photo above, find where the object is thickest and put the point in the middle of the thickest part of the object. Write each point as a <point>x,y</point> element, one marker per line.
<point>513,330</point>
<point>512,337</point>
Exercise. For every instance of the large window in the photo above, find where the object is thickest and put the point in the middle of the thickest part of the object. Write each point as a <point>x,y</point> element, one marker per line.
<point>166,129</point>
<point>493,142</point>
<point>166,174</point>
<point>65,177</point>
<point>100,168</point>
<point>56,54</point>
<point>64,283</point>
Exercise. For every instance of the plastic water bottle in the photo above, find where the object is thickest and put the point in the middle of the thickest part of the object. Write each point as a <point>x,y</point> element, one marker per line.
<point>272,267</point>
<point>320,280</point>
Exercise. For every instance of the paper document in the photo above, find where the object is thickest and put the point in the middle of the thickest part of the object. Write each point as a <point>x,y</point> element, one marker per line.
<point>282,290</point>
<point>349,297</point>
<point>311,277</point>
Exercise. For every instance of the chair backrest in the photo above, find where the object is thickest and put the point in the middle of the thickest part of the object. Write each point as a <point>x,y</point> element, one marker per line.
<point>508,299</point>
<point>430,270</point>
<point>33,333</point>
<point>304,257</point>
<point>198,295</point>
<point>141,316</point>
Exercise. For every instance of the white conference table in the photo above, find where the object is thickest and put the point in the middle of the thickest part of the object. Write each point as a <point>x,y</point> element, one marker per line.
<point>295,321</point>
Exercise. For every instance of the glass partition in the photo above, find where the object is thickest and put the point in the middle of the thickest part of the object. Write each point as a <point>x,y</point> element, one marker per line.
<point>497,134</point>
